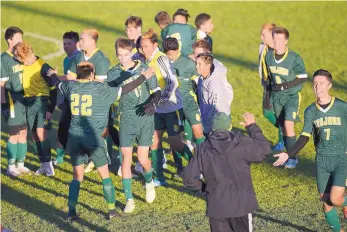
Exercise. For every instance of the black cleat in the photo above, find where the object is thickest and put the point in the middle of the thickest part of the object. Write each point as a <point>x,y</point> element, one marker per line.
<point>72,216</point>
<point>112,214</point>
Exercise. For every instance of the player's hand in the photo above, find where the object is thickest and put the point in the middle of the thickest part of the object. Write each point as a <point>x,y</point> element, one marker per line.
<point>282,158</point>
<point>148,73</point>
<point>48,115</point>
<point>249,119</point>
<point>50,72</point>
<point>149,108</point>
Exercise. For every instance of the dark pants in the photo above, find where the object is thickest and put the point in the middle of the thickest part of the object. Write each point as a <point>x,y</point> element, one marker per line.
<point>239,224</point>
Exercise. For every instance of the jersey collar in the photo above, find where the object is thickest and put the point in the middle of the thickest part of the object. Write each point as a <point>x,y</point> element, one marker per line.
<point>201,34</point>
<point>152,56</point>
<point>328,108</point>
<point>84,54</point>
<point>132,69</point>
<point>283,58</point>
<point>9,53</point>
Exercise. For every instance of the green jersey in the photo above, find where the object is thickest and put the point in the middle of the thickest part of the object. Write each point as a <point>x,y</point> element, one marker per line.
<point>185,70</point>
<point>98,59</point>
<point>184,33</point>
<point>328,126</point>
<point>68,60</point>
<point>289,67</point>
<point>134,100</point>
<point>89,103</point>
<point>12,73</point>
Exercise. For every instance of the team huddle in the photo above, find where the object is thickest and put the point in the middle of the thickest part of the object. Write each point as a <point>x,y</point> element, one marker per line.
<point>177,87</point>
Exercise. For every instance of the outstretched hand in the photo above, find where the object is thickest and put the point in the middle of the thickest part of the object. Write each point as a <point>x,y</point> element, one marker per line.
<point>148,73</point>
<point>249,119</point>
<point>282,158</point>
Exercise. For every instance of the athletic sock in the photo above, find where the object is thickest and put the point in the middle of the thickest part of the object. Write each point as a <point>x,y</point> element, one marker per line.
<point>127,188</point>
<point>109,145</point>
<point>188,131</point>
<point>333,220</point>
<point>60,155</point>
<point>148,176</point>
<point>12,151</point>
<point>46,146</point>
<point>21,152</point>
<point>157,162</point>
<point>200,140</point>
<point>109,193</point>
<point>280,135</point>
<point>74,191</point>
<point>187,153</point>
<point>269,115</point>
<point>178,160</point>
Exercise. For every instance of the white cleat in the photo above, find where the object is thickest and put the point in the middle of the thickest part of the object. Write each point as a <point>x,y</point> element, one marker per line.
<point>22,169</point>
<point>42,169</point>
<point>150,192</point>
<point>89,167</point>
<point>50,169</point>
<point>12,171</point>
<point>130,206</point>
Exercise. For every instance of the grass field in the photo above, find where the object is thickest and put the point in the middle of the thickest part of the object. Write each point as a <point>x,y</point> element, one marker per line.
<point>288,199</point>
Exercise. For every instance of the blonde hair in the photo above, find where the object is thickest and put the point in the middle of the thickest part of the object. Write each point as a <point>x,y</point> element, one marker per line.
<point>268,26</point>
<point>92,32</point>
<point>151,35</point>
<point>22,50</point>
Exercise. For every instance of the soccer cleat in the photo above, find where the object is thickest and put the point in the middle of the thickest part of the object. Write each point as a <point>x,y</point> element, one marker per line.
<point>71,216</point>
<point>291,163</point>
<point>50,169</point>
<point>119,173</point>
<point>22,169</point>
<point>112,214</point>
<point>150,192</point>
<point>42,169</point>
<point>278,147</point>
<point>12,171</point>
<point>89,167</point>
<point>344,210</point>
<point>158,183</point>
<point>139,168</point>
<point>130,206</point>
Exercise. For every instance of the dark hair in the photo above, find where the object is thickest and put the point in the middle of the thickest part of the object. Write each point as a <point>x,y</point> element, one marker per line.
<point>170,44</point>
<point>123,43</point>
<point>181,12</point>
<point>201,43</point>
<point>71,35</point>
<point>135,21</point>
<point>323,72</point>
<point>84,70</point>
<point>280,30</point>
<point>201,19</point>
<point>162,18</point>
<point>11,31</point>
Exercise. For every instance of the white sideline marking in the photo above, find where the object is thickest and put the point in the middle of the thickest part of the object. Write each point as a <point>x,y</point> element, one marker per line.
<point>48,39</point>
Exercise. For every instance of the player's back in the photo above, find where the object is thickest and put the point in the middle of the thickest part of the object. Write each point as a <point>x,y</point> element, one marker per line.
<point>184,33</point>
<point>184,68</point>
<point>89,104</point>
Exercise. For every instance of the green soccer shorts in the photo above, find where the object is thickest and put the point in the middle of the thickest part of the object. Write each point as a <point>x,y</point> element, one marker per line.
<point>16,118</point>
<point>169,122</point>
<point>81,146</point>
<point>134,128</point>
<point>286,107</point>
<point>36,108</point>
<point>331,171</point>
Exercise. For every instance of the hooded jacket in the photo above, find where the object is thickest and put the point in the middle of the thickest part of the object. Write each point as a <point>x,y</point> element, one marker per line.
<point>224,159</point>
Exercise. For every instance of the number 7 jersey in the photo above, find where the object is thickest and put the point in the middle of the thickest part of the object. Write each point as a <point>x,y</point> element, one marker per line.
<point>329,127</point>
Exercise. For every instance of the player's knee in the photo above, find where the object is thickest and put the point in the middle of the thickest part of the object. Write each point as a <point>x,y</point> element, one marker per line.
<point>22,137</point>
<point>337,200</point>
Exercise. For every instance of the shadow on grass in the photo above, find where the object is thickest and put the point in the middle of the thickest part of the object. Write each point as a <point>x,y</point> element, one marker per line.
<point>42,210</point>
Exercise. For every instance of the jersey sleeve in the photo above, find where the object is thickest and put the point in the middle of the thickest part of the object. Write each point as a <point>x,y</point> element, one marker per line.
<point>171,82</point>
<point>113,79</point>
<point>152,84</point>
<point>51,82</point>
<point>64,88</point>
<point>5,74</point>
<point>73,66</point>
<point>299,68</point>
<point>102,66</point>
<point>193,32</point>
<point>164,33</point>
<point>308,123</point>
<point>112,94</point>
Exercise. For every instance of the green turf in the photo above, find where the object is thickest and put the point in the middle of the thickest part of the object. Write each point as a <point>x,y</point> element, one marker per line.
<point>288,199</point>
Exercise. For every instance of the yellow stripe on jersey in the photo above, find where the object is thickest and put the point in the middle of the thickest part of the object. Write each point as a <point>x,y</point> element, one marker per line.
<point>306,134</point>
<point>154,64</point>
<point>283,58</point>
<point>33,82</point>
<point>12,115</point>
<point>263,64</point>
<point>299,103</point>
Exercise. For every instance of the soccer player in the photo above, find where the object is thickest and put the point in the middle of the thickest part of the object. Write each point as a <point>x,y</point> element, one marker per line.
<point>268,111</point>
<point>136,118</point>
<point>70,40</point>
<point>90,101</point>
<point>181,16</point>
<point>204,25</point>
<point>215,94</point>
<point>185,70</point>
<point>133,29</point>
<point>202,46</point>
<point>326,119</point>
<point>166,116</point>
<point>286,75</point>
<point>184,33</point>
<point>40,99</point>
<point>13,108</point>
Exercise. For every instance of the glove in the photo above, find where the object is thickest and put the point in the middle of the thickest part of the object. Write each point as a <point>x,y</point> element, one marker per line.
<point>149,108</point>
<point>5,111</point>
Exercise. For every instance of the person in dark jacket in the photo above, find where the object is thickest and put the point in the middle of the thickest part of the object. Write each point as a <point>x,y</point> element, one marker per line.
<point>224,160</point>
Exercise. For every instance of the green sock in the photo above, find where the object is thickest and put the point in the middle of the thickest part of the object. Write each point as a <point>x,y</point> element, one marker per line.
<point>289,141</point>
<point>21,152</point>
<point>269,115</point>
<point>200,140</point>
<point>333,220</point>
<point>280,135</point>
<point>188,132</point>
<point>178,160</point>
<point>127,188</point>
<point>345,202</point>
<point>74,191</point>
<point>46,147</point>
<point>109,145</point>
<point>187,153</point>
<point>148,176</point>
<point>12,150</point>
<point>157,157</point>
<point>109,193</point>
<point>60,155</point>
